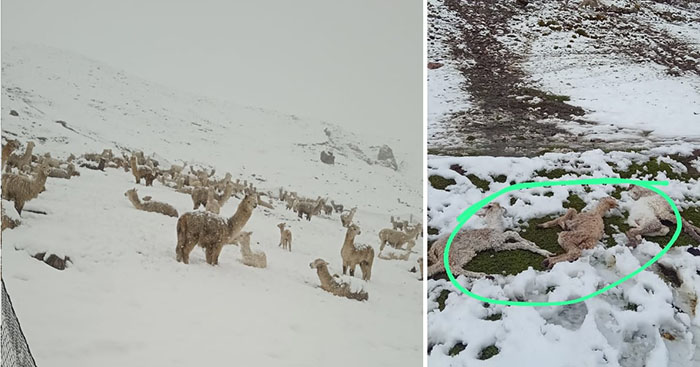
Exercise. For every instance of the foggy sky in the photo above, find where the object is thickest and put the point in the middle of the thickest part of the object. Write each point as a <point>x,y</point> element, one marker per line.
<point>350,62</point>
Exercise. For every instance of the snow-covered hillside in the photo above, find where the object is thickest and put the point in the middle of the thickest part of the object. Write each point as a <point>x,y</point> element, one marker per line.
<point>124,300</point>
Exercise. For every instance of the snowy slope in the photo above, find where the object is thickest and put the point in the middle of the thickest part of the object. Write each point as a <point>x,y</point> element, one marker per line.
<point>125,301</point>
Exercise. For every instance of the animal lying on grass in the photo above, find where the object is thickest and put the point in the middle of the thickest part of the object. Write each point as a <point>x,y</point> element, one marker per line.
<point>467,243</point>
<point>649,213</point>
<point>581,231</point>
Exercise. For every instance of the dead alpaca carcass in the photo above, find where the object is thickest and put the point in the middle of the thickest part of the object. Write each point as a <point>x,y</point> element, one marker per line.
<point>649,216</point>
<point>581,231</point>
<point>468,243</point>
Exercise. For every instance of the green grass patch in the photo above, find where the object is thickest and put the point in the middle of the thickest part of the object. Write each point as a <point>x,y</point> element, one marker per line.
<point>442,298</point>
<point>553,174</point>
<point>500,178</point>
<point>494,317</point>
<point>574,201</point>
<point>505,262</point>
<point>440,182</point>
<point>456,349</point>
<point>479,183</point>
<point>433,231</point>
<point>653,167</point>
<point>544,95</point>
<point>488,352</point>
<point>613,225</point>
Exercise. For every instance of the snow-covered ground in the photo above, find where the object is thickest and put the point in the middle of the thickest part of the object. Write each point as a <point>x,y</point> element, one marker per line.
<point>124,300</point>
<point>635,75</point>
<point>645,321</point>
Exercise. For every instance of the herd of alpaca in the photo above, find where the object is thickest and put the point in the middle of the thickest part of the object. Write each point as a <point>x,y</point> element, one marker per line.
<point>649,215</point>
<point>206,229</point>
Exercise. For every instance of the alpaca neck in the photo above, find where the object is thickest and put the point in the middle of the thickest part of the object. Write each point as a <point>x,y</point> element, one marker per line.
<point>349,239</point>
<point>133,165</point>
<point>28,152</point>
<point>245,247</point>
<point>601,209</point>
<point>239,219</point>
<point>135,201</point>
<point>324,275</point>
<point>39,179</point>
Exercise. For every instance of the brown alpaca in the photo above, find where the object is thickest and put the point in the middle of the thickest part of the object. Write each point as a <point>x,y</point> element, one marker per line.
<point>581,231</point>
<point>140,171</point>
<point>20,189</point>
<point>211,231</point>
<point>310,208</point>
<point>396,238</point>
<point>331,285</point>
<point>199,197</point>
<point>356,254</point>
<point>346,219</point>
<point>20,161</point>
<point>285,237</point>
<point>150,206</point>
<point>7,150</point>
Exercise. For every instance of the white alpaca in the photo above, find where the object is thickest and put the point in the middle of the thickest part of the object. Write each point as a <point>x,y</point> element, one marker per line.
<point>256,259</point>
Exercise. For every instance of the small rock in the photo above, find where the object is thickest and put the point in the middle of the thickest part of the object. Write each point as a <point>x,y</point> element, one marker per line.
<point>434,65</point>
<point>14,113</point>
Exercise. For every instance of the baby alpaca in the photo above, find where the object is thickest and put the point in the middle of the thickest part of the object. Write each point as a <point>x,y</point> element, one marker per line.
<point>467,243</point>
<point>333,286</point>
<point>648,214</point>
<point>581,231</point>
<point>256,259</point>
<point>285,237</point>
<point>211,231</point>
<point>356,254</point>
<point>150,206</point>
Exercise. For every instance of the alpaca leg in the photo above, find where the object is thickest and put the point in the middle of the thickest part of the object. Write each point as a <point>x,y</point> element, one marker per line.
<point>216,253</point>
<point>519,243</point>
<point>179,249</point>
<point>289,245</point>
<point>352,269</point>
<point>568,256</point>
<point>649,228</point>
<point>189,246</point>
<point>345,267</point>
<point>19,204</point>
<point>691,230</point>
<point>570,214</point>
